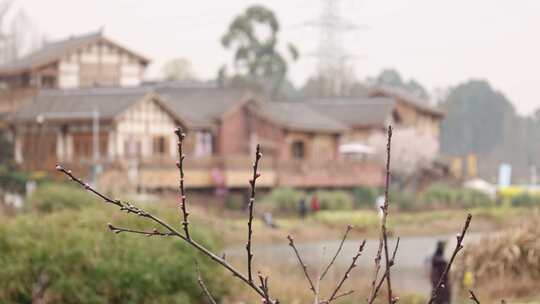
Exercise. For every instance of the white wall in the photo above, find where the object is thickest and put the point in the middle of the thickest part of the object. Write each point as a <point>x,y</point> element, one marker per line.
<point>130,74</point>
<point>68,74</point>
<point>142,123</point>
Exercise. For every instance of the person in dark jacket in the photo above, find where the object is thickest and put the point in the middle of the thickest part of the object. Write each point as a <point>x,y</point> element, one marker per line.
<point>438,265</point>
<point>302,207</point>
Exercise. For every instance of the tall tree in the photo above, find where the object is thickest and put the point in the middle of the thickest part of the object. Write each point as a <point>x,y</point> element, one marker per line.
<point>18,35</point>
<point>254,37</point>
<point>476,117</point>
<point>179,69</point>
<point>392,78</point>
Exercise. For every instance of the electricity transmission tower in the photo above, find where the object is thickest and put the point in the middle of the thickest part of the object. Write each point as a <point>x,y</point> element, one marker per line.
<point>332,56</point>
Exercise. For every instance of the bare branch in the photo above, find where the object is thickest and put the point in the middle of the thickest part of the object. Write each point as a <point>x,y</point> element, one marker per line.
<point>383,278</point>
<point>473,297</point>
<point>264,286</point>
<point>119,230</point>
<point>347,273</point>
<point>348,293</point>
<point>459,246</point>
<point>130,209</point>
<point>302,264</point>
<point>349,227</point>
<point>180,165</point>
<point>383,221</point>
<point>252,182</point>
<point>383,239</point>
<point>203,285</point>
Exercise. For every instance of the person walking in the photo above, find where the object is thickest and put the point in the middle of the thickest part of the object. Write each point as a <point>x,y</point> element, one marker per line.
<point>302,208</point>
<point>315,205</point>
<point>438,265</point>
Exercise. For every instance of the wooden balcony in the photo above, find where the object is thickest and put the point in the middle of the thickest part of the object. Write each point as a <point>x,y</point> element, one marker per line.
<point>235,172</point>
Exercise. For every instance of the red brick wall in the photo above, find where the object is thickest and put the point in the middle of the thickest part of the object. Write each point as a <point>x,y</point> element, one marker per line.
<point>233,133</point>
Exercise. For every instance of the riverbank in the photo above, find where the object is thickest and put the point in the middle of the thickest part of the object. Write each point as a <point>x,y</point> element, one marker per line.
<point>329,225</point>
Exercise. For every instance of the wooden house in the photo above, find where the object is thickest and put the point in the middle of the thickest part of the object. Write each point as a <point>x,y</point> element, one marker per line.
<point>90,60</point>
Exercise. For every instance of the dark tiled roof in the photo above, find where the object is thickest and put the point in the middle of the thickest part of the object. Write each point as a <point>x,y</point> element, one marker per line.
<point>300,116</point>
<point>196,107</point>
<point>72,104</point>
<point>402,94</point>
<point>54,51</point>
<point>356,111</point>
<point>201,107</point>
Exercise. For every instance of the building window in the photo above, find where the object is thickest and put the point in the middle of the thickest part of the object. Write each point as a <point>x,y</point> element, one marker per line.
<point>298,150</point>
<point>48,82</point>
<point>203,144</point>
<point>132,148</point>
<point>160,145</point>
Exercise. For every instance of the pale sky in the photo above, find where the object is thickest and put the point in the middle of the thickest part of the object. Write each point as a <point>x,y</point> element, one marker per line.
<point>439,43</point>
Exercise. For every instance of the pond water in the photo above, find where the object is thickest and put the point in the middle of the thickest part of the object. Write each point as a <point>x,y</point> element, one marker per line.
<point>410,274</point>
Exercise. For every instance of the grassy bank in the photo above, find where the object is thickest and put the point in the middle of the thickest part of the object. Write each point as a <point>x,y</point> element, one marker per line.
<point>67,252</point>
<point>327,225</point>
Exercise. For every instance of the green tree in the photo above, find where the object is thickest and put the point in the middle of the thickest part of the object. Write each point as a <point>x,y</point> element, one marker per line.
<point>179,69</point>
<point>476,117</point>
<point>392,78</point>
<point>254,37</point>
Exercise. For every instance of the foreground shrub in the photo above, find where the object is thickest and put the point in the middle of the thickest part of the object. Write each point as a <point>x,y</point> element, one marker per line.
<point>506,265</point>
<point>82,262</point>
<point>52,197</point>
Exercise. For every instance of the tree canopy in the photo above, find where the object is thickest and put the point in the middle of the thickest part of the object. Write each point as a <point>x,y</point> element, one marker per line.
<point>475,118</point>
<point>392,78</point>
<point>178,69</point>
<point>257,61</point>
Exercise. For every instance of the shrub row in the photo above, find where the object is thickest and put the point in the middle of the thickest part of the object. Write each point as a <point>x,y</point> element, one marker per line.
<point>438,196</point>
<point>82,262</point>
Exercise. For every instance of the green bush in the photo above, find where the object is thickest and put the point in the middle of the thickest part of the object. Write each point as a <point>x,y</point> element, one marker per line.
<point>365,197</point>
<point>442,196</point>
<point>335,200</point>
<point>53,197</point>
<point>403,200</point>
<point>469,198</point>
<point>12,180</point>
<point>526,200</point>
<point>284,200</point>
<point>85,263</point>
<point>236,201</point>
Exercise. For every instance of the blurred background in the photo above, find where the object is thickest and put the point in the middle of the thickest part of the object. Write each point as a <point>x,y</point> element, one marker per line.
<point>100,86</point>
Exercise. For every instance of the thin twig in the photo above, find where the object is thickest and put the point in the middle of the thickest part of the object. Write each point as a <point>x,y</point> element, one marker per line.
<point>383,239</point>
<point>473,297</point>
<point>302,264</point>
<point>264,286</point>
<point>348,293</point>
<point>459,246</point>
<point>383,278</point>
<point>378,256</point>
<point>385,215</point>
<point>318,282</point>
<point>203,285</point>
<point>180,164</point>
<point>349,227</point>
<point>131,209</point>
<point>119,230</point>
<point>252,182</point>
<point>347,273</point>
